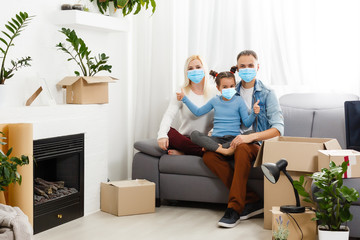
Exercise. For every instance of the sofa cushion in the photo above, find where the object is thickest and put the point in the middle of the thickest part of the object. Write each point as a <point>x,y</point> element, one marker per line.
<point>330,123</point>
<point>297,121</point>
<point>184,165</point>
<point>150,147</point>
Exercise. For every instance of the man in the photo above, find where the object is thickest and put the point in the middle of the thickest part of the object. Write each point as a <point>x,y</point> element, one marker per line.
<point>243,203</point>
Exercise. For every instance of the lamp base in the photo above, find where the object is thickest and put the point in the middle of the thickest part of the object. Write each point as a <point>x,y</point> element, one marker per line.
<point>292,209</point>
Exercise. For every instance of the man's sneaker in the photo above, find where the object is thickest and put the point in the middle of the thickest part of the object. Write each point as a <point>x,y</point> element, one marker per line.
<point>230,219</point>
<point>251,210</point>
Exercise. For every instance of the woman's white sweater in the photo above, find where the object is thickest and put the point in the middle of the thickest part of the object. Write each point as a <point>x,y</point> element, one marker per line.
<point>188,121</point>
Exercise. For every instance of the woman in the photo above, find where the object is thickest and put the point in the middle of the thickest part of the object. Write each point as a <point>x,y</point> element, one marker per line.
<point>177,142</point>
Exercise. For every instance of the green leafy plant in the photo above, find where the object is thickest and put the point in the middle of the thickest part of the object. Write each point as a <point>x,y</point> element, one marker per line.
<point>8,166</point>
<point>15,26</point>
<point>333,199</point>
<point>282,231</point>
<point>127,6</point>
<point>80,53</point>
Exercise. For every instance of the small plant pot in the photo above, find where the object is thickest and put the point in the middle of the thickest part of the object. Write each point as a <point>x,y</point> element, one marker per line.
<point>334,235</point>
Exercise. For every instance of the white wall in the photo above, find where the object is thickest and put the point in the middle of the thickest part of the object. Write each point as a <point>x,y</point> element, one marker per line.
<point>38,40</point>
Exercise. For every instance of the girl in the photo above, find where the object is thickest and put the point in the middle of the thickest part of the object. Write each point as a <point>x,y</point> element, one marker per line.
<point>177,142</point>
<point>230,110</point>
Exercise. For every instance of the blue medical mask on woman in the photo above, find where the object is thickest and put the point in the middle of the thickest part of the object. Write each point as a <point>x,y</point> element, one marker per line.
<point>196,75</point>
<point>247,74</point>
<point>228,93</point>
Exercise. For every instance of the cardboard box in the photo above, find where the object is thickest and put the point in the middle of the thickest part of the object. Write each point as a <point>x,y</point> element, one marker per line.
<point>86,90</point>
<point>308,226</point>
<point>127,197</point>
<point>301,154</point>
<point>338,157</point>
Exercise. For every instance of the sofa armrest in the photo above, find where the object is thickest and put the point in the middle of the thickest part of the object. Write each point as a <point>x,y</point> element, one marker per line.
<point>150,147</point>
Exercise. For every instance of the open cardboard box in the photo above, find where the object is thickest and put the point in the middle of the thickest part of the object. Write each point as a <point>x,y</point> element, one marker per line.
<point>86,90</point>
<point>301,154</point>
<point>338,157</point>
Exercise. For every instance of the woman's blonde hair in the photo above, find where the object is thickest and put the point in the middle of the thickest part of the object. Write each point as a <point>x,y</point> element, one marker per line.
<point>186,85</point>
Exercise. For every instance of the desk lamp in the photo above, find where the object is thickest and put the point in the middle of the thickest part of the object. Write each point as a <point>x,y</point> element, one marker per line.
<point>272,173</point>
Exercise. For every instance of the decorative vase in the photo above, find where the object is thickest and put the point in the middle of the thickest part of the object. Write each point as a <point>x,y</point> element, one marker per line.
<point>334,235</point>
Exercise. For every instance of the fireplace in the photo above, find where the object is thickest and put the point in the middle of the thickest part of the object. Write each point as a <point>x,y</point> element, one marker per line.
<point>59,162</point>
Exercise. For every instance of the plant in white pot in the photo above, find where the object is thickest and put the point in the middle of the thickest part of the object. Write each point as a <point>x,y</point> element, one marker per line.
<point>333,200</point>
<point>126,6</point>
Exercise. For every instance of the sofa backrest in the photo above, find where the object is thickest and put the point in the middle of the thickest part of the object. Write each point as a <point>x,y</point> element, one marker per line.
<point>315,115</point>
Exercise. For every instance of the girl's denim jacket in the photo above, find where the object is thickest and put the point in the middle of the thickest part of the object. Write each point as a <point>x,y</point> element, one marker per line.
<point>270,115</point>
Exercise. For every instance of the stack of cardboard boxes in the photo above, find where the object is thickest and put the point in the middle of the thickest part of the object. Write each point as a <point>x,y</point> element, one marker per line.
<point>305,156</point>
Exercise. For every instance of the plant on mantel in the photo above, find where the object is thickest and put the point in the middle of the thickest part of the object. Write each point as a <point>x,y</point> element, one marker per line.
<point>127,6</point>
<point>80,53</point>
<point>15,26</point>
<point>8,166</point>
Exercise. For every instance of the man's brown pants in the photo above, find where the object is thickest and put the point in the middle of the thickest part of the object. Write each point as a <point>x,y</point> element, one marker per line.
<point>235,179</point>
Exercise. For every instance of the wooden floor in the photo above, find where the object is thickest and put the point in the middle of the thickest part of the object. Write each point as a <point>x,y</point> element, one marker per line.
<point>174,221</point>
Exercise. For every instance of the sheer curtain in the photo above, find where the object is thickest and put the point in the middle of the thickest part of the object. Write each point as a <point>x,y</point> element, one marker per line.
<point>308,45</point>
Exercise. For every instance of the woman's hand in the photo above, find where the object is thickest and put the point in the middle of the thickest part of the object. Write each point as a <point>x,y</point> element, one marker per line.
<point>256,107</point>
<point>163,143</point>
<point>180,95</point>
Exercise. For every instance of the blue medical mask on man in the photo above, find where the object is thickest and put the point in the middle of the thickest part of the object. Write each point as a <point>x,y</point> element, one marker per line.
<point>247,74</point>
<point>228,93</point>
<point>196,75</point>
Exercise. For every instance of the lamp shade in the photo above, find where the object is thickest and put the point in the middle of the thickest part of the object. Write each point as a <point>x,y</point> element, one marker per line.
<point>271,172</point>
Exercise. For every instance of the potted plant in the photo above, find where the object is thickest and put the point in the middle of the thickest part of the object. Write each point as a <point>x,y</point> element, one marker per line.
<point>80,53</point>
<point>8,167</point>
<point>127,6</point>
<point>87,88</point>
<point>282,231</point>
<point>332,198</point>
<point>14,28</point>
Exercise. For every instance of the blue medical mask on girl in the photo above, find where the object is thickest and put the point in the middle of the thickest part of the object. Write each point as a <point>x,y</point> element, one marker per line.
<point>196,75</point>
<point>247,74</point>
<point>228,93</point>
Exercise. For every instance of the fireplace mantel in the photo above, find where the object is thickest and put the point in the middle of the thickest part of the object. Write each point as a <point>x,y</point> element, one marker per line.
<point>67,119</point>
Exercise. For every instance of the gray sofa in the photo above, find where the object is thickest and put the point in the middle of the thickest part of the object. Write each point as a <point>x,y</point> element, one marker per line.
<point>187,177</point>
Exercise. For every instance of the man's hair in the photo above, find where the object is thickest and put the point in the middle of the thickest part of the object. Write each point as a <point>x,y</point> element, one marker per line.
<point>247,53</point>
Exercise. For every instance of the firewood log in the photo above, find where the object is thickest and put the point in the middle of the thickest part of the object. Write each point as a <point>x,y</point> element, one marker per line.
<point>40,192</point>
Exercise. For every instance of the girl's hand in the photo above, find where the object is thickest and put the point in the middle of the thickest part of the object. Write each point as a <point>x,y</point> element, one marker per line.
<point>180,95</point>
<point>256,107</point>
<point>163,143</point>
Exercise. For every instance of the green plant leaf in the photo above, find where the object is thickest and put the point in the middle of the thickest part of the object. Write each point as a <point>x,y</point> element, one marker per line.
<point>6,34</point>
<point>137,9</point>
<point>9,152</point>
<point>153,4</point>
<point>19,19</point>
<point>3,40</point>
<point>9,28</point>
